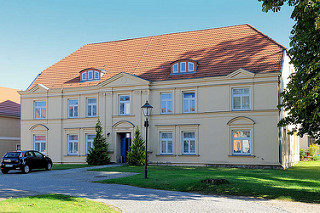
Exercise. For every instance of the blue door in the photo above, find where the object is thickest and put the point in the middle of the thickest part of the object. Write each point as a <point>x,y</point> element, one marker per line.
<point>125,146</point>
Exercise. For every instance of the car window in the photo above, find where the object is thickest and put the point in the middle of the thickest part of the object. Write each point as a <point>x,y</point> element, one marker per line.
<point>38,155</point>
<point>12,155</point>
<point>28,154</point>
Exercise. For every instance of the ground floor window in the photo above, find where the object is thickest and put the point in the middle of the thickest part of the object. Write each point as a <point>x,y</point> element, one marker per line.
<point>40,143</point>
<point>73,144</point>
<point>241,142</point>
<point>90,139</point>
<point>189,142</point>
<point>166,142</point>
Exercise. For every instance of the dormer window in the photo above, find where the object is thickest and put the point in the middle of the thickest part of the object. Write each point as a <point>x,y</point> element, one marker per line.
<point>183,67</point>
<point>91,74</point>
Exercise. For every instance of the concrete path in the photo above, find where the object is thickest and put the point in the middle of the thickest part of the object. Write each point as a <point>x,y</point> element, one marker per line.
<point>78,182</point>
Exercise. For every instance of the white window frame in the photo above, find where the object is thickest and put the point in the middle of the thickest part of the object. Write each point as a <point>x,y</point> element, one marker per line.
<point>40,110</point>
<point>241,139</point>
<point>189,143</point>
<point>93,105</point>
<point>189,102</point>
<point>185,65</point>
<point>241,96</point>
<point>74,115</point>
<point>41,143</point>
<point>73,144</point>
<point>166,100</point>
<point>84,76</point>
<point>175,68</point>
<point>87,142</point>
<point>96,75</point>
<point>189,67</point>
<point>90,72</point>
<point>166,140</point>
<point>124,102</point>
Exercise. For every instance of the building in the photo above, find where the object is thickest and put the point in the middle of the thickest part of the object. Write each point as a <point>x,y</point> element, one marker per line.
<point>215,94</point>
<point>9,120</point>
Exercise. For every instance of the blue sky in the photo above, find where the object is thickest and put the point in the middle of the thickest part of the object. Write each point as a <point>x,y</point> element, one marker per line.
<point>35,34</point>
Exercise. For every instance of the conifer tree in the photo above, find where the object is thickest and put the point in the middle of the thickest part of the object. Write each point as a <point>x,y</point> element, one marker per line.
<point>136,156</point>
<point>98,155</point>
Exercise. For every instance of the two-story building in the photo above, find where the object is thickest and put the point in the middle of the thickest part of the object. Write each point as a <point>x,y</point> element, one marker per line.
<point>214,95</point>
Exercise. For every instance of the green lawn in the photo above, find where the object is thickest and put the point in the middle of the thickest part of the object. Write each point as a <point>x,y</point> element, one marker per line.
<point>299,183</point>
<point>68,166</point>
<point>54,203</point>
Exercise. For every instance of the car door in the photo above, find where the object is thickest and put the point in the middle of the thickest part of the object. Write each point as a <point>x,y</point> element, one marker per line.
<point>30,159</point>
<point>40,159</point>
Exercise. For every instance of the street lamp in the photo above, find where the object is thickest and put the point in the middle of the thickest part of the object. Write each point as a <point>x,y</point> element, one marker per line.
<point>147,112</point>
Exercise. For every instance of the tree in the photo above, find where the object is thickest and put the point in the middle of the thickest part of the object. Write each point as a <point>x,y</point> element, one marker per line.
<point>136,156</point>
<point>98,155</point>
<point>302,97</point>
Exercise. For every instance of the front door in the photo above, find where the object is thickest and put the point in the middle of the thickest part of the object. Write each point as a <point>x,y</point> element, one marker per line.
<point>125,140</point>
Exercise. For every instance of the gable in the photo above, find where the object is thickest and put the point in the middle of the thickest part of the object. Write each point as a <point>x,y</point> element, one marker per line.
<point>241,73</point>
<point>124,80</point>
<point>39,88</point>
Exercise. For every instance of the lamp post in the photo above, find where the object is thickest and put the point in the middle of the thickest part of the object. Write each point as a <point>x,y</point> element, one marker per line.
<point>146,112</point>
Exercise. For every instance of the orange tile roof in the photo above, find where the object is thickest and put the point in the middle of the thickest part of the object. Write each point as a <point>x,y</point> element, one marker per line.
<point>9,102</point>
<point>219,51</point>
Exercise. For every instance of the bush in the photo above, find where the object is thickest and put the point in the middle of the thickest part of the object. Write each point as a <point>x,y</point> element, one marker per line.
<point>313,149</point>
<point>136,157</point>
<point>316,157</point>
<point>302,153</point>
<point>98,155</point>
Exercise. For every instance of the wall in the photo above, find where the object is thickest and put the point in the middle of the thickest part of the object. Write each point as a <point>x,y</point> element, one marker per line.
<point>9,134</point>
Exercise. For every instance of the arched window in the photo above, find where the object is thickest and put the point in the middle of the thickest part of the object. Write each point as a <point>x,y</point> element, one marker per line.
<point>184,66</point>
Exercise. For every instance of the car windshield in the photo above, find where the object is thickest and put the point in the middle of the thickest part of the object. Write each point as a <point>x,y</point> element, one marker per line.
<point>12,154</point>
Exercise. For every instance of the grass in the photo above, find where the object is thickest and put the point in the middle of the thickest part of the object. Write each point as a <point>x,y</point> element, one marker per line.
<point>53,203</point>
<point>68,166</point>
<point>299,183</point>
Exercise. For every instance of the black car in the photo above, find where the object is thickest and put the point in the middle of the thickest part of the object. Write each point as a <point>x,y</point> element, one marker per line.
<point>25,161</point>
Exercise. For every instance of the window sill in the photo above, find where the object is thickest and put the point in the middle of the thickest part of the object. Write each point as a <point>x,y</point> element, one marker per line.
<point>193,155</point>
<point>165,155</point>
<point>73,155</point>
<point>183,73</point>
<point>248,156</point>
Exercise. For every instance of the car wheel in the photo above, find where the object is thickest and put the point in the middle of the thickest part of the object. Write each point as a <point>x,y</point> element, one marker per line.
<point>4,171</point>
<point>49,166</point>
<point>26,169</point>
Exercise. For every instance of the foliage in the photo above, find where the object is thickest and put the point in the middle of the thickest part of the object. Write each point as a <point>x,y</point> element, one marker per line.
<point>298,183</point>
<point>98,155</point>
<point>316,157</point>
<point>53,203</point>
<point>302,96</point>
<point>313,149</point>
<point>136,156</point>
<point>302,153</point>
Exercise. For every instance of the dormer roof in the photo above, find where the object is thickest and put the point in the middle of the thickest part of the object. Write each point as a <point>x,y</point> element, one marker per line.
<point>218,51</point>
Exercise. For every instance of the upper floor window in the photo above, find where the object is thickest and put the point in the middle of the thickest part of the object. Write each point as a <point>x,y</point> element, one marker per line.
<point>124,105</point>
<point>185,66</point>
<point>166,103</point>
<point>73,108</point>
<point>241,99</point>
<point>40,109</point>
<point>189,103</point>
<point>96,75</point>
<point>189,142</point>
<point>241,142</point>
<point>91,107</point>
<point>84,76</point>
<point>166,142</point>
<point>90,75</point>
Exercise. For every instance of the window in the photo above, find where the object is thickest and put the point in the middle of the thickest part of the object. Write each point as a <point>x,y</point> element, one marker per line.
<point>91,107</point>
<point>183,67</point>
<point>90,139</point>
<point>189,105</point>
<point>72,108</point>
<point>90,75</point>
<point>84,76</point>
<point>40,109</point>
<point>40,143</point>
<point>241,142</point>
<point>166,103</point>
<point>189,142</point>
<point>38,155</point>
<point>124,105</point>
<point>166,143</point>
<point>241,99</point>
<point>175,68</point>
<point>96,75</point>
<point>73,147</point>
<point>190,67</point>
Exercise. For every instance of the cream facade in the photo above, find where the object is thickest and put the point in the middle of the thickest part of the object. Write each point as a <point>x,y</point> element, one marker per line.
<point>226,120</point>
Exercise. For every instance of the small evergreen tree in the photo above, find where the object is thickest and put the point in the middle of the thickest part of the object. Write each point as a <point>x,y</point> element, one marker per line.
<point>98,155</point>
<point>136,157</point>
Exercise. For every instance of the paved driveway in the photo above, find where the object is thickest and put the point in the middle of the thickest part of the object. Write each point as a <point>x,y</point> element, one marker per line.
<point>78,182</point>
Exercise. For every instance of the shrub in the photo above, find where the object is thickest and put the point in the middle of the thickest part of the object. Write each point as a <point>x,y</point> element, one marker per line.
<point>136,157</point>
<point>98,155</point>
<point>313,149</point>
<point>302,153</point>
<point>316,157</point>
